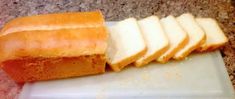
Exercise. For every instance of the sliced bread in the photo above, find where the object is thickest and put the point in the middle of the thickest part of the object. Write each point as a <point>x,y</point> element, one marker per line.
<point>214,35</point>
<point>155,39</point>
<point>195,33</point>
<point>125,44</point>
<point>176,36</point>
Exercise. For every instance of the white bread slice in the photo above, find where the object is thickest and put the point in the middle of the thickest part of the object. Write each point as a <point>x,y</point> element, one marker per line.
<point>176,36</point>
<point>215,37</point>
<point>126,44</point>
<point>195,33</point>
<point>155,39</point>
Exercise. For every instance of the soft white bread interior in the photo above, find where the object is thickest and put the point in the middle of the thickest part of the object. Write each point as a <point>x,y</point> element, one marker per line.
<point>195,33</point>
<point>215,37</point>
<point>155,39</point>
<point>176,36</point>
<point>125,44</point>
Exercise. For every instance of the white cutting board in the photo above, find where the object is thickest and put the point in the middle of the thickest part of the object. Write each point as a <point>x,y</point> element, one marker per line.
<point>200,76</point>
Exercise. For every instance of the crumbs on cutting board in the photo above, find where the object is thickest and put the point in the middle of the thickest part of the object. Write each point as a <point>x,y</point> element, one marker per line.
<point>145,76</point>
<point>173,73</point>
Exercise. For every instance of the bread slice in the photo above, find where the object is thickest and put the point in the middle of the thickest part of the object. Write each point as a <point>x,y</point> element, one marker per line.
<point>176,36</point>
<point>195,33</point>
<point>214,35</point>
<point>155,39</point>
<point>125,44</point>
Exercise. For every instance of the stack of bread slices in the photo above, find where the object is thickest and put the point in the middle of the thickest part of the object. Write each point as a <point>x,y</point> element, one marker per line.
<point>153,39</point>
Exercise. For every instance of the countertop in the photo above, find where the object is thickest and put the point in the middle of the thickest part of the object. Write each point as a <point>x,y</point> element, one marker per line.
<point>222,10</point>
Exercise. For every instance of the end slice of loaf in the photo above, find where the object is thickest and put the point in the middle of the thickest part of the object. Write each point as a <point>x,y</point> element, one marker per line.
<point>155,39</point>
<point>214,35</point>
<point>195,33</point>
<point>176,36</point>
<point>125,44</point>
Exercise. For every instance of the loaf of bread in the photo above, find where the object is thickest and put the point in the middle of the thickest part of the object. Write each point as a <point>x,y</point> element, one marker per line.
<point>45,47</point>
<point>55,46</point>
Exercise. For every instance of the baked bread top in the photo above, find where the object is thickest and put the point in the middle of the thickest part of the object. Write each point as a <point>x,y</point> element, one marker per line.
<point>70,20</point>
<point>54,35</point>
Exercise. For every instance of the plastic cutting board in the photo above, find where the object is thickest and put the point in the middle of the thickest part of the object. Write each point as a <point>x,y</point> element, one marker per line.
<point>200,76</point>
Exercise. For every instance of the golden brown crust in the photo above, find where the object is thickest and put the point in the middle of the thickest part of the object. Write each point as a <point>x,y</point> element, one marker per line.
<point>120,65</point>
<point>178,47</point>
<point>56,43</point>
<point>152,57</point>
<point>210,47</point>
<point>57,21</point>
<point>34,69</point>
<point>191,49</point>
<point>54,46</point>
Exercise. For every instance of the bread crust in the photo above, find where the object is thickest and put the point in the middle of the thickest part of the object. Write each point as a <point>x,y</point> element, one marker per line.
<point>177,48</point>
<point>145,59</point>
<point>121,64</point>
<point>210,47</point>
<point>152,57</point>
<point>194,47</point>
<point>54,46</point>
<point>55,43</point>
<point>182,43</point>
<point>57,21</point>
<point>30,69</point>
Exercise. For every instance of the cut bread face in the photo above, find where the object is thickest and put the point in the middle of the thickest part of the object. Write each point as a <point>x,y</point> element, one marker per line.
<point>155,39</point>
<point>195,33</point>
<point>215,37</point>
<point>176,36</point>
<point>125,44</point>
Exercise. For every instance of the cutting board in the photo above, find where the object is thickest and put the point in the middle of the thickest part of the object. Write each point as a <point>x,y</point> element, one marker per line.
<point>199,76</point>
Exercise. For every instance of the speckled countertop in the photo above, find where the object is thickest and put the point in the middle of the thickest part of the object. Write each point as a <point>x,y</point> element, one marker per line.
<point>222,10</point>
